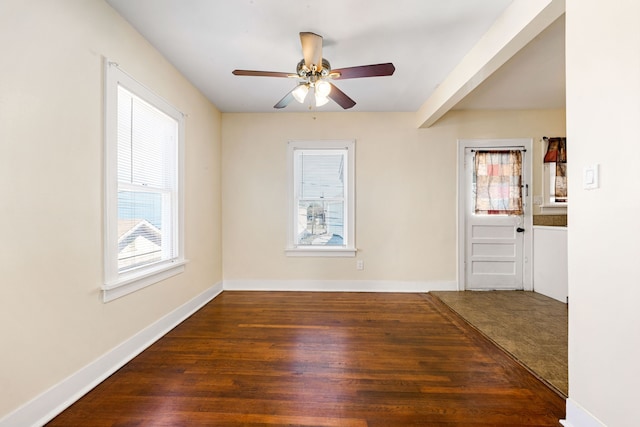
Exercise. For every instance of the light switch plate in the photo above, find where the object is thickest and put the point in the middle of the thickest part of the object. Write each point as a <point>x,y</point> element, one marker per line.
<point>590,178</point>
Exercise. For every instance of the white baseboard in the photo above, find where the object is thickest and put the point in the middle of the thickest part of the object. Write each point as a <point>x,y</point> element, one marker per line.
<point>577,416</point>
<point>52,402</point>
<point>338,285</point>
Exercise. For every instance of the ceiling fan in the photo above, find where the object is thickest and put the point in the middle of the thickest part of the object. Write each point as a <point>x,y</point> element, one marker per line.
<point>314,71</point>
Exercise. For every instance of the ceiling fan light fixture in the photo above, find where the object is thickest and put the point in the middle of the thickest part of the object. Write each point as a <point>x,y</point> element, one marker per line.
<point>323,88</point>
<point>300,92</point>
<point>320,99</point>
<point>314,71</point>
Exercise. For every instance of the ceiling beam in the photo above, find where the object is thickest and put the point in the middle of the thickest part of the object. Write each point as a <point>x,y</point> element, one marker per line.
<point>520,23</point>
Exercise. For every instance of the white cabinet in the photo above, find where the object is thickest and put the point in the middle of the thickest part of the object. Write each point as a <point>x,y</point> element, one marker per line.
<point>550,262</point>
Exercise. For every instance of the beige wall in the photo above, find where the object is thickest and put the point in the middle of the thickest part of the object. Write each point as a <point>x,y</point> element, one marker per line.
<point>406,184</point>
<point>603,114</point>
<point>52,321</point>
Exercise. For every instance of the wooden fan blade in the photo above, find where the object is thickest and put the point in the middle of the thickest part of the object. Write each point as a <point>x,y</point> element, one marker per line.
<point>261,73</point>
<point>285,101</point>
<point>311,49</point>
<point>376,70</point>
<point>341,98</point>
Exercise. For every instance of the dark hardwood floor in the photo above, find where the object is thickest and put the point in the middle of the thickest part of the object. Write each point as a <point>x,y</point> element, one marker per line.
<point>320,359</point>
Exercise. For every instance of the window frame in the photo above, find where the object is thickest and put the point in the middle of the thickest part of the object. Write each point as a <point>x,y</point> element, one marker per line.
<point>117,284</point>
<point>349,248</point>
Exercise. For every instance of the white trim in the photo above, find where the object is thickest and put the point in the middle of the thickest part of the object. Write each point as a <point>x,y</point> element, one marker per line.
<point>319,252</point>
<point>577,416</point>
<point>114,76</point>
<point>349,250</point>
<point>338,285</point>
<point>527,143</point>
<point>52,402</point>
<point>553,209</point>
<point>550,227</point>
<point>126,285</point>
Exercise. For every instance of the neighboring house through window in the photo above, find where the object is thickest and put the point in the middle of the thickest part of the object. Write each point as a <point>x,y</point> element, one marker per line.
<point>321,208</point>
<point>143,197</point>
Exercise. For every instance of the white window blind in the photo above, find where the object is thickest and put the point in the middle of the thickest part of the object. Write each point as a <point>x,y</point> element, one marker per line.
<point>147,143</point>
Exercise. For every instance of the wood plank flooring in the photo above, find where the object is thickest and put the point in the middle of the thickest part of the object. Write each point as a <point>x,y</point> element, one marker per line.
<point>320,359</point>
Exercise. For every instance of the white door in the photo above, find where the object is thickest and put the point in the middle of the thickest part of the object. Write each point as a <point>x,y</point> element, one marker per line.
<point>494,240</point>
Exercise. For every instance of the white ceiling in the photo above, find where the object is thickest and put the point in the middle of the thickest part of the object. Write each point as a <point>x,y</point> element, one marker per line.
<point>534,78</point>
<point>425,40</point>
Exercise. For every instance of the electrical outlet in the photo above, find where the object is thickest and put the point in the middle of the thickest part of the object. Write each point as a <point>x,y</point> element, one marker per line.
<point>360,264</point>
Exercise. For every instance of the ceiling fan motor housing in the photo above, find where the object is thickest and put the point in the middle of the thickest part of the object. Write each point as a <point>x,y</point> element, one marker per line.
<point>304,72</point>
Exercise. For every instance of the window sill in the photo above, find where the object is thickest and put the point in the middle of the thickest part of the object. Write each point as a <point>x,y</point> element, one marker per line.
<point>321,252</point>
<point>555,208</point>
<point>128,283</point>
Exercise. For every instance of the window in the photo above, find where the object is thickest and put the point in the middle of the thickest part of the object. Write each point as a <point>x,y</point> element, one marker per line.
<point>143,197</point>
<point>321,208</point>
<point>497,182</point>
<point>556,183</point>
<point>555,196</point>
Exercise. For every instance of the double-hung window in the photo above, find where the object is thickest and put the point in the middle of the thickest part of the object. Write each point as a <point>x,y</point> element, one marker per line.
<point>143,197</point>
<point>321,198</point>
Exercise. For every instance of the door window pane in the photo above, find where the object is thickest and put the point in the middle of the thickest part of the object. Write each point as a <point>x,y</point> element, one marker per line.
<point>497,182</point>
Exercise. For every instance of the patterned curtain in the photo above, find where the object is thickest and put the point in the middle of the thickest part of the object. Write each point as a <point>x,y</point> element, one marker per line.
<point>557,153</point>
<point>498,182</point>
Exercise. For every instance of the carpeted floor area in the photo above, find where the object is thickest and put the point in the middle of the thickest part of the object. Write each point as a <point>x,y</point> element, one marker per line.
<point>531,327</point>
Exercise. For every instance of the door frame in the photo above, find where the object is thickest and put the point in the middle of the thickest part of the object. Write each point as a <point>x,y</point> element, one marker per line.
<point>527,176</point>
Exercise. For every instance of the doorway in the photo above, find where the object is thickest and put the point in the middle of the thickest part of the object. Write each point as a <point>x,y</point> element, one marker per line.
<point>494,214</point>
